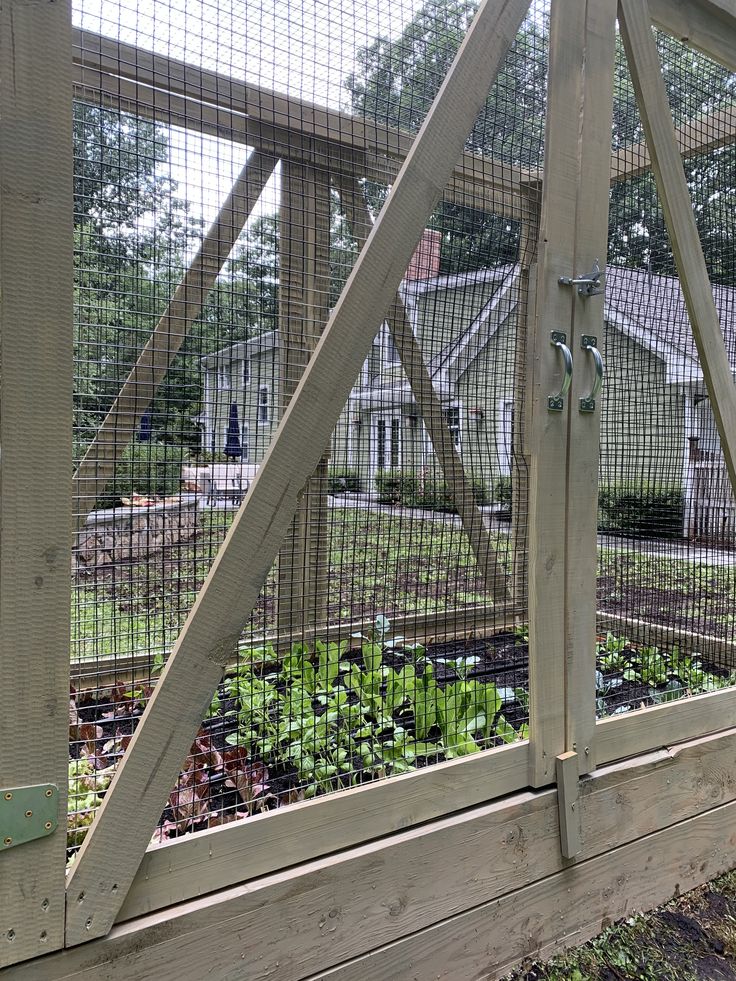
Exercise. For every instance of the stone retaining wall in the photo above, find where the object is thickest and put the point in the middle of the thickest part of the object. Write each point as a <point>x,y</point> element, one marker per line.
<point>129,534</point>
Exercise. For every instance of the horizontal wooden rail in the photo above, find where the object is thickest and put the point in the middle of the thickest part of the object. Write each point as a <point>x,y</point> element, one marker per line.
<point>708,25</point>
<point>443,625</point>
<point>287,115</point>
<point>645,632</point>
<point>459,898</point>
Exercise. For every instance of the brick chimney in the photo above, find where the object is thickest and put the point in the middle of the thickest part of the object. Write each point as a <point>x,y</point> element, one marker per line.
<point>425,263</point>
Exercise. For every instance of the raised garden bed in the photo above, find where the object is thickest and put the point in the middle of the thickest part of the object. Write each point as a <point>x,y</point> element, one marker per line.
<point>331,716</point>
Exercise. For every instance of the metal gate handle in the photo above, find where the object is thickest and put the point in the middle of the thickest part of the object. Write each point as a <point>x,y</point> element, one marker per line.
<point>588,343</point>
<point>557,339</point>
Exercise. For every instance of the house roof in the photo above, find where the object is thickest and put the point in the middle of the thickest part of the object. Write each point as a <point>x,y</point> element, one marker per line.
<point>651,309</point>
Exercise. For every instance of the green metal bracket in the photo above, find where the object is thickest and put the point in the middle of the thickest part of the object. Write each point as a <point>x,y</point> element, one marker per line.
<point>27,813</point>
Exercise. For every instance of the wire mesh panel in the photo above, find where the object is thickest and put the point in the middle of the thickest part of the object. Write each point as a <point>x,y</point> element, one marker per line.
<point>666,573</point>
<point>216,224</point>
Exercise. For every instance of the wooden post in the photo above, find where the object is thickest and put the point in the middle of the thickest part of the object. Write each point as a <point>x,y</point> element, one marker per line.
<point>123,419</point>
<point>490,566</point>
<point>36,304</point>
<point>656,116</point>
<point>591,242</point>
<point>304,284</point>
<point>523,347</point>
<point>548,432</point>
<point>117,840</point>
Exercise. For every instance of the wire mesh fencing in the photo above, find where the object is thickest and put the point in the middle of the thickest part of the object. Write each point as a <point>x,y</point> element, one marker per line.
<point>666,559</point>
<point>229,165</point>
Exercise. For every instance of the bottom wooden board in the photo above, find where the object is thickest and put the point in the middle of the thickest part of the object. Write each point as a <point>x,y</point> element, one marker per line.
<point>459,898</point>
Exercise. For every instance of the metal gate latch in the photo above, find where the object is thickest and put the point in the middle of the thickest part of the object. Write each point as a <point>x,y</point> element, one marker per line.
<point>588,285</point>
<point>27,813</point>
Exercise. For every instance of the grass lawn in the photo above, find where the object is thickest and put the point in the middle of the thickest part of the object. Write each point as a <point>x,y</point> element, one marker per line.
<point>379,563</point>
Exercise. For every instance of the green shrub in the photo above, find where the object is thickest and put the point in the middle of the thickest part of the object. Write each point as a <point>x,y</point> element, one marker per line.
<point>502,495</point>
<point>342,481</point>
<point>646,510</point>
<point>150,469</point>
<point>412,489</point>
<point>397,487</point>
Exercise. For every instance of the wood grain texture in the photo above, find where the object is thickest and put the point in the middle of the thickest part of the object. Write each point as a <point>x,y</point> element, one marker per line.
<point>490,565</point>
<point>548,430</point>
<point>597,53</point>
<point>708,25</point>
<point>666,819</point>
<point>304,286</point>
<point>198,864</point>
<point>36,306</point>
<point>654,109</point>
<point>124,417</point>
<point>117,841</point>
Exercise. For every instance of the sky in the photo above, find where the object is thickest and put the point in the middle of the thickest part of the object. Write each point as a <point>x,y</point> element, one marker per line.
<point>304,49</point>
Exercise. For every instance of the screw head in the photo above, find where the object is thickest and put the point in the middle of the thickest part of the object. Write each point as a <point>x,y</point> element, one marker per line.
<point>29,814</point>
<point>48,826</point>
<point>8,796</point>
<point>49,793</point>
<point>8,841</point>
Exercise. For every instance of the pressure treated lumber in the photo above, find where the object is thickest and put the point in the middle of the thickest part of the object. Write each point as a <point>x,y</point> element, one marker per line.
<point>661,822</point>
<point>489,564</point>
<point>36,334</point>
<point>115,845</point>
<point>597,53</point>
<point>288,115</point>
<point>708,25</point>
<point>188,867</point>
<point>700,135</point>
<point>654,109</point>
<point>548,430</point>
<point>304,287</point>
<point>713,648</point>
<point>138,390</point>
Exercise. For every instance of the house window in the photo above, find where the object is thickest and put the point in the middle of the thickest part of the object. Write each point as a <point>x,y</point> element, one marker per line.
<point>223,379</point>
<point>264,404</point>
<point>452,415</point>
<point>246,371</point>
<point>374,363</point>
<point>387,435</point>
<point>392,355</point>
<point>245,443</point>
<point>505,438</point>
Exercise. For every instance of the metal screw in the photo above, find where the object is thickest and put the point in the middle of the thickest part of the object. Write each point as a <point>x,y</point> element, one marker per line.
<point>29,814</point>
<point>44,936</point>
<point>45,905</point>
<point>8,796</point>
<point>88,924</point>
<point>49,793</point>
<point>8,841</point>
<point>48,826</point>
<point>81,897</point>
<point>11,935</point>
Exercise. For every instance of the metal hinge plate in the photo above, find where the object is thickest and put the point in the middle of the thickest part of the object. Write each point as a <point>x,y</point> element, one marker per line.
<point>27,813</point>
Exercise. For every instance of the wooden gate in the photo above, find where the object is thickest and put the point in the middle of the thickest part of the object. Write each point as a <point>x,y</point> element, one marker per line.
<point>388,879</point>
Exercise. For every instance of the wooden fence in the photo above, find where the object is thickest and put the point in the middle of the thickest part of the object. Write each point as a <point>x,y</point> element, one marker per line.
<point>458,869</point>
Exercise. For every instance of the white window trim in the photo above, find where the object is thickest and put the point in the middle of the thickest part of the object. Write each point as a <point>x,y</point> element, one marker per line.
<point>260,405</point>
<point>246,371</point>
<point>505,448</point>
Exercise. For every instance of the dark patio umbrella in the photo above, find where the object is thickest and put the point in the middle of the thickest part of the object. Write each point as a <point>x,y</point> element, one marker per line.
<point>232,439</point>
<point>144,433</point>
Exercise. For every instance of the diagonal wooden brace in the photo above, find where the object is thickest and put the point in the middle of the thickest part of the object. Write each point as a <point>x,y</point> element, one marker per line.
<point>126,820</point>
<point>490,566</point>
<point>139,388</point>
<point>656,115</point>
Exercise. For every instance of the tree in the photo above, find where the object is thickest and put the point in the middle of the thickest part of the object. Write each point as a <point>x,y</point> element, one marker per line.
<point>396,81</point>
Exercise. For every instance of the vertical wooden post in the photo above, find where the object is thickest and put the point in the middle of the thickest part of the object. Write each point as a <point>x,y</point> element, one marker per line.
<point>548,436</point>
<point>591,242</point>
<point>36,276</point>
<point>304,282</point>
<point>522,388</point>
